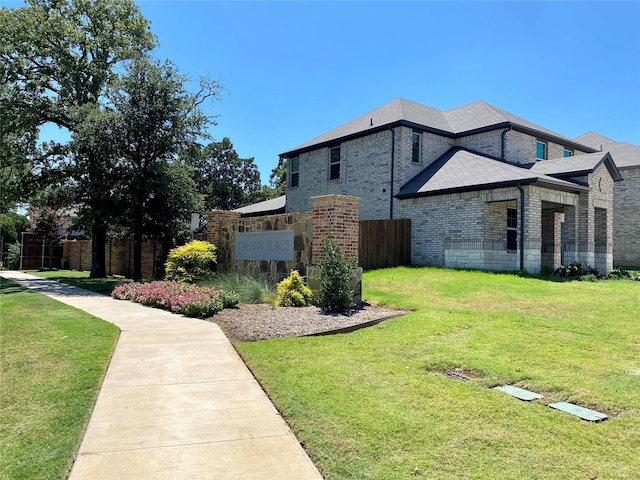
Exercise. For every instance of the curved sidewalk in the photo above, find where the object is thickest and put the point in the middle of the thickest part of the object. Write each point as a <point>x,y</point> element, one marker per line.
<point>177,402</point>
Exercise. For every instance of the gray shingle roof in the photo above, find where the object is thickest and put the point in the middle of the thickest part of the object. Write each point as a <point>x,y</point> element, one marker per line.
<point>454,122</point>
<point>392,112</point>
<point>624,154</point>
<point>265,207</point>
<point>464,170</point>
<point>577,166</point>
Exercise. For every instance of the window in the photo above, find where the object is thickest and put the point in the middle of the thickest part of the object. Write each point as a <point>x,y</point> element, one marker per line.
<point>541,150</point>
<point>334,164</point>
<point>295,171</point>
<point>416,151</point>
<point>512,229</point>
<point>567,153</point>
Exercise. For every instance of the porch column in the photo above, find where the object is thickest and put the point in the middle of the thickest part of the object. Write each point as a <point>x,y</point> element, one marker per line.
<point>532,241</point>
<point>569,241</point>
<point>586,231</point>
<point>558,220</point>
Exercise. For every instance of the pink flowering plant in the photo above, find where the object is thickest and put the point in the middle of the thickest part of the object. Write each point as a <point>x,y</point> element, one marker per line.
<point>186,299</point>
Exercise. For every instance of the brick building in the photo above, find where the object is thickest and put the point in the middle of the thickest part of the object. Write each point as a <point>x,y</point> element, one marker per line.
<point>483,188</point>
<point>626,197</point>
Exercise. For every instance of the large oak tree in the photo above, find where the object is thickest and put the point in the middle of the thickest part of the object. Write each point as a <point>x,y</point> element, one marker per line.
<point>58,57</point>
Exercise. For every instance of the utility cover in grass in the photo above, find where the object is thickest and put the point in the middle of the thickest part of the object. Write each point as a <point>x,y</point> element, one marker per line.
<point>578,411</point>
<point>520,393</point>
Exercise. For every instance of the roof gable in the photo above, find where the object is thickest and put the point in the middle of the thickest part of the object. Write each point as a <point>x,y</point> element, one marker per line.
<point>624,154</point>
<point>460,169</point>
<point>577,166</point>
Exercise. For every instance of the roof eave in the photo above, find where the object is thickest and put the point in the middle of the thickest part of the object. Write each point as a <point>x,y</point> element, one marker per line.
<point>363,133</point>
<point>573,188</point>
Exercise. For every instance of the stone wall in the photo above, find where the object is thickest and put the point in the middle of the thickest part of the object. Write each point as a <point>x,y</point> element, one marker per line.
<point>331,213</point>
<point>222,229</point>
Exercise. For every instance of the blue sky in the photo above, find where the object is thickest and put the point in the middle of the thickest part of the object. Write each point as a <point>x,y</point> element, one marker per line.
<point>294,70</point>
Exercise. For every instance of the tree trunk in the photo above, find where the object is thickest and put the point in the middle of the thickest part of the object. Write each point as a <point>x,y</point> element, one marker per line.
<point>98,247</point>
<point>137,249</point>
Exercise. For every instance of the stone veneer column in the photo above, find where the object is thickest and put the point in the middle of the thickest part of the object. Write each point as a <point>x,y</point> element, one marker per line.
<point>339,214</point>
<point>215,232</point>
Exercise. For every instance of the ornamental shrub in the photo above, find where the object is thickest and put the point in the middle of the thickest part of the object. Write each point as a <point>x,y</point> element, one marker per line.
<point>292,292</point>
<point>194,261</point>
<point>181,298</point>
<point>574,270</point>
<point>335,275</point>
<point>13,256</point>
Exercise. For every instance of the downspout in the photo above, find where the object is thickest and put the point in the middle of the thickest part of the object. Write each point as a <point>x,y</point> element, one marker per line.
<point>521,227</point>
<point>503,142</point>
<point>393,162</point>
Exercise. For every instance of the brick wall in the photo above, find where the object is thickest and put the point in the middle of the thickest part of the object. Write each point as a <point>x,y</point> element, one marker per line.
<point>489,143</point>
<point>626,218</point>
<point>364,172</point>
<point>118,257</point>
<point>338,214</point>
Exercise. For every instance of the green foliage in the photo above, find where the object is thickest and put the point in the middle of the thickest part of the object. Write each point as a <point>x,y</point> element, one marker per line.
<point>13,256</point>
<point>574,270</point>
<point>11,225</point>
<point>193,261</point>
<point>623,274</point>
<point>546,270</point>
<point>335,276</point>
<point>278,178</point>
<point>225,180</point>
<point>292,292</point>
<point>57,61</point>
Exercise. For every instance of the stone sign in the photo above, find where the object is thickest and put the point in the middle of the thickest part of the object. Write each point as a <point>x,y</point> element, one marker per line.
<point>271,245</point>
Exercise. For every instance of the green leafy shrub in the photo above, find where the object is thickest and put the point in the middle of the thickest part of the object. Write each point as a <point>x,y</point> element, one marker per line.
<point>194,261</point>
<point>622,274</point>
<point>292,292</point>
<point>546,270</point>
<point>574,270</point>
<point>13,256</point>
<point>335,275</point>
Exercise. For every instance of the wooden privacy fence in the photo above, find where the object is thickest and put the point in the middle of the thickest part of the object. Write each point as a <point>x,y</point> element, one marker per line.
<point>384,243</point>
<point>36,253</point>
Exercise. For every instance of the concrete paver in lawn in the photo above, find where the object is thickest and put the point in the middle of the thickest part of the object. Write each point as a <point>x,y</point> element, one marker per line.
<point>177,402</point>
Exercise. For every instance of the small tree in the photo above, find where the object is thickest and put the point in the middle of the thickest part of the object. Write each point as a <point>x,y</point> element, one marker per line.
<point>335,276</point>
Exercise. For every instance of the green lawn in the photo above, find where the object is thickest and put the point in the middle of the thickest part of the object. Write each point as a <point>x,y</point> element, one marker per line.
<point>52,361</point>
<point>82,280</point>
<point>375,404</point>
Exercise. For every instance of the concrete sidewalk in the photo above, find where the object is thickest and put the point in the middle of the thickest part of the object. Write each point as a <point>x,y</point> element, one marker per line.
<point>177,402</point>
